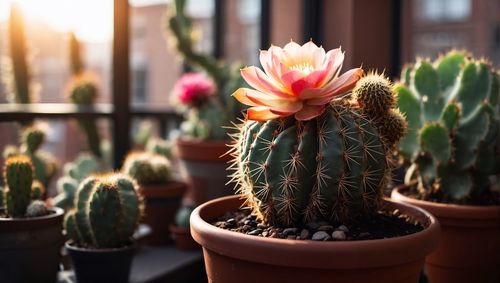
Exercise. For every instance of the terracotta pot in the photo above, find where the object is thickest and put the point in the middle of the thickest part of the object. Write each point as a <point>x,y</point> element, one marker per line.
<point>235,257</point>
<point>203,166</point>
<point>30,248</point>
<point>101,265</point>
<point>183,238</point>
<point>162,202</point>
<point>469,250</point>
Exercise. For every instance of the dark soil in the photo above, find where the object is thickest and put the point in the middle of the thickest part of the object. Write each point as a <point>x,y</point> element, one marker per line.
<point>487,198</point>
<point>381,225</point>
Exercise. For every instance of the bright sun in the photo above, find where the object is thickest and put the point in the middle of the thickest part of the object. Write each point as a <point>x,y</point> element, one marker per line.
<point>91,20</point>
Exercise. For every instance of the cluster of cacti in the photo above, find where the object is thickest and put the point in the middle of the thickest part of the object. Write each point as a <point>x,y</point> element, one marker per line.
<point>226,77</point>
<point>74,172</point>
<point>147,168</point>
<point>331,168</point>
<point>44,163</point>
<point>82,90</point>
<point>452,107</point>
<point>159,146</point>
<point>21,189</point>
<point>205,122</point>
<point>107,212</point>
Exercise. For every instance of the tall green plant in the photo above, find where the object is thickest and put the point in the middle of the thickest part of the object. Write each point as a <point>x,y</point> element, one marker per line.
<point>452,107</point>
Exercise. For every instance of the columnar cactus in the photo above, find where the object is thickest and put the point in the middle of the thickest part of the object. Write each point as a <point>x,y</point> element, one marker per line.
<point>333,167</point>
<point>147,168</point>
<point>453,113</point>
<point>18,175</point>
<point>107,212</point>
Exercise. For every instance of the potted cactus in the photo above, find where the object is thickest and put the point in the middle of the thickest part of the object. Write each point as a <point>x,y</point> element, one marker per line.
<point>30,232</point>
<point>100,228</point>
<point>311,162</point>
<point>181,230</point>
<point>44,164</point>
<point>453,147</point>
<point>211,111</point>
<point>162,193</point>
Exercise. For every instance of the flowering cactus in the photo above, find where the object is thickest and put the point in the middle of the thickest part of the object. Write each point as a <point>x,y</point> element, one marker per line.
<point>309,152</point>
<point>193,89</point>
<point>206,121</point>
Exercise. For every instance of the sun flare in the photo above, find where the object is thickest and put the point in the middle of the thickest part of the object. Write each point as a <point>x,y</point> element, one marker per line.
<point>91,20</point>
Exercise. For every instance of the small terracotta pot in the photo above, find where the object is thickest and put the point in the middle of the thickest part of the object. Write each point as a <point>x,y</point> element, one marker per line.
<point>469,250</point>
<point>30,248</point>
<point>162,202</point>
<point>203,166</point>
<point>235,257</point>
<point>183,238</point>
<point>101,265</point>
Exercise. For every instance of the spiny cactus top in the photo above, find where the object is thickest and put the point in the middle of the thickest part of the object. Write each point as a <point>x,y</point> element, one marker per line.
<point>147,168</point>
<point>107,212</point>
<point>18,176</point>
<point>310,157</point>
<point>452,107</point>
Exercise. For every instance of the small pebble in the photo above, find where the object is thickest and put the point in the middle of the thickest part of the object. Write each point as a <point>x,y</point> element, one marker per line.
<point>290,231</point>
<point>343,228</point>
<point>395,212</point>
<point>261,226</point>
<point>255,232</point>
<point>231,222</point>
<point>321,236</point>
<point>304,234</point>
<point>338,235</point>
<point>326,228</point>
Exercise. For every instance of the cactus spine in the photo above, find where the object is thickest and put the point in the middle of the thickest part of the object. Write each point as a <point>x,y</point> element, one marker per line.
<point>18,175</point>
<point>147,168</point>
<point>107,212</point>
<point>453,114</point>
<point>332,168</point>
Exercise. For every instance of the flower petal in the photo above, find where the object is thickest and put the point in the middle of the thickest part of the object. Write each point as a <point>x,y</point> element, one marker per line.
<point>261,114</point>
<point>260,81</point>
<point>309,112</point>
<point>241,95</point>
<point>273,102</point>
<point>337,86</point>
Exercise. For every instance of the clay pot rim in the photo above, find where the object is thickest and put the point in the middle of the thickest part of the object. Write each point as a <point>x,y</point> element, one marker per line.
<point>339,255</point>
<point>69,245</point>
<point>453,211</point>
<point>56,213</point>
<point>172,188</point>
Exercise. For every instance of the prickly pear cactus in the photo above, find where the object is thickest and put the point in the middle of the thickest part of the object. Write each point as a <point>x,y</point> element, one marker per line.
<point>107,212</point>
<point>147,168</point>
<point>452,109</point>
<point>18,175</point>
<point>331,168</point>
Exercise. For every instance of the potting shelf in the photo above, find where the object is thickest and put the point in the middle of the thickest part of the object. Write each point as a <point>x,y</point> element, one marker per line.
<point>160,264</point>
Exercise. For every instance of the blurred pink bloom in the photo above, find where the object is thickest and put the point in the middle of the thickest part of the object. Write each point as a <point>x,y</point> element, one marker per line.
<point>193,88</point>
<point>297,80</point>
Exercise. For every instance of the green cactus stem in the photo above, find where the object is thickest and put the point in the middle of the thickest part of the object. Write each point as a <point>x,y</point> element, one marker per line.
<point>18,175</point>
<point>453,136</point>
<point>108,210</point>
<point>37,190</point>
<point>147,168</point>
<point>159,146</point>
<point>331,168</point>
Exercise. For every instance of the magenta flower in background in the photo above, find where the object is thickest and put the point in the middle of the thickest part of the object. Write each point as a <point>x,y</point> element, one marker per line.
<point>193,89</point>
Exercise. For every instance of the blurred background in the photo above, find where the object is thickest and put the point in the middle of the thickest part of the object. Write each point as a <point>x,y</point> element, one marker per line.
<point>378,34</point>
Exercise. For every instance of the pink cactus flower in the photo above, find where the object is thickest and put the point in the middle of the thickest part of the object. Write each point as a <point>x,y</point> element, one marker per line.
<point>297,80</point>
<point>193,89</point>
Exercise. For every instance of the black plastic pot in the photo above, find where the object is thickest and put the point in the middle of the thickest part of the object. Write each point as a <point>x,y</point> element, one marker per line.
<point>101,265</point>
<point>30,248</point>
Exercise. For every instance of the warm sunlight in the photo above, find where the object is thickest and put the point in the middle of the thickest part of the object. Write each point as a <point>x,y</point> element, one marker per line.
<point>92,20</point>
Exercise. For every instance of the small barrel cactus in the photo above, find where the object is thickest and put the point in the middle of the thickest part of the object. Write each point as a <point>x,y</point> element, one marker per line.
<point>36,208</point>
<point>107,212</point>
<point>82,167</point>
<point>333,167</point>
<point>37,190</point>
<point>18,175</point>
<point>452,107</point>
<point>147,168</point>
<point>159,146</point>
